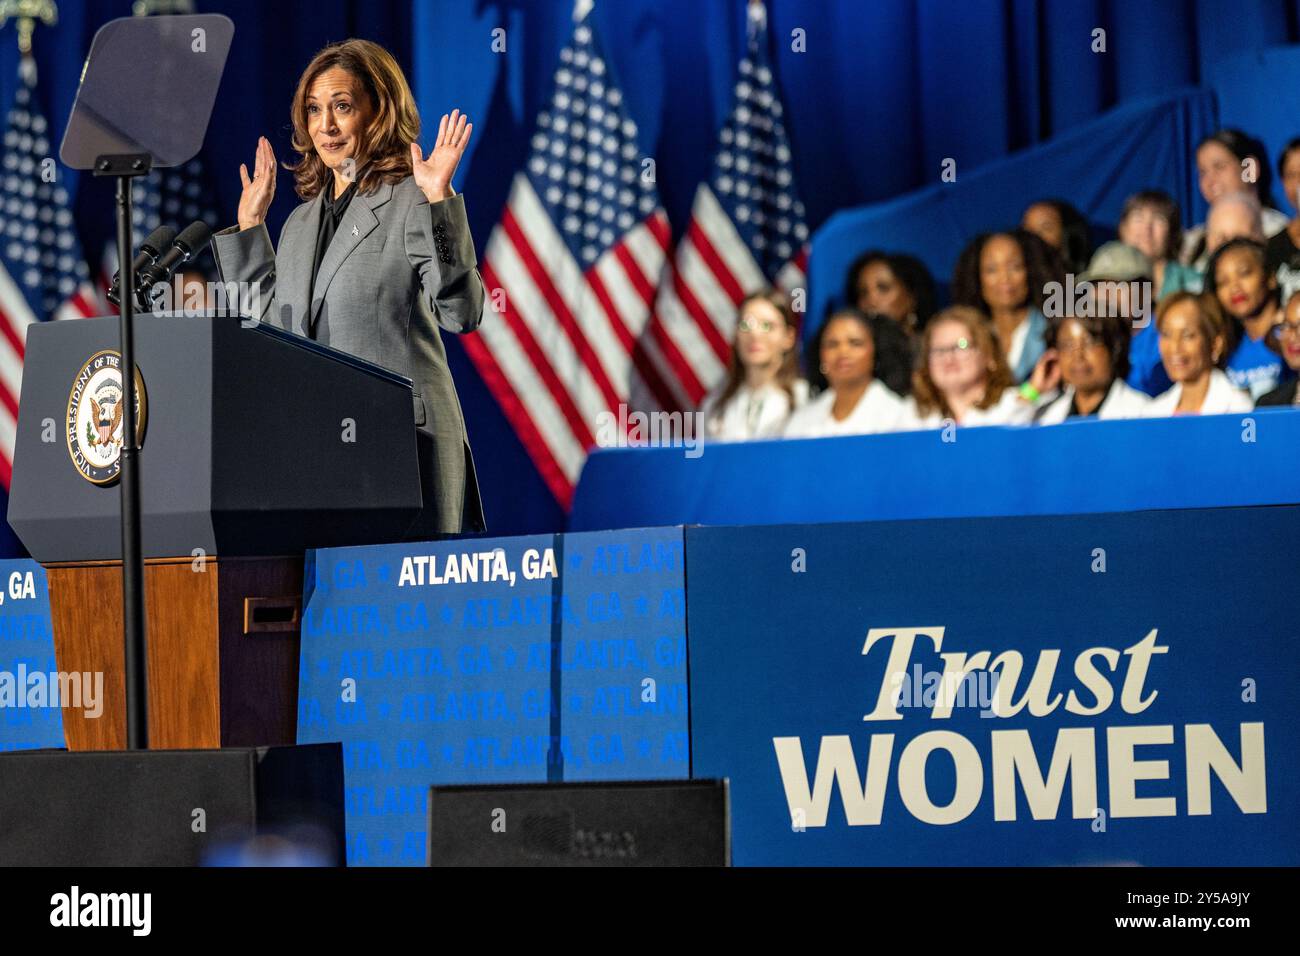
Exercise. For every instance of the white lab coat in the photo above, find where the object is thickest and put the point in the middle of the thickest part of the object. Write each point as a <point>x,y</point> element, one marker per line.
<point>878,410</point>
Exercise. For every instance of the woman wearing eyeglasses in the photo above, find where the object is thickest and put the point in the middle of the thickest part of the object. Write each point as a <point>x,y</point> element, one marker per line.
<point>762,387</point>
<point>1092,352</point>
<point>962,375</point>
<point>1287,335</point>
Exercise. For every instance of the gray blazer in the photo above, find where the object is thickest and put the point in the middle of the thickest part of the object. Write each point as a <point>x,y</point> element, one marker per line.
<point>396,269</point>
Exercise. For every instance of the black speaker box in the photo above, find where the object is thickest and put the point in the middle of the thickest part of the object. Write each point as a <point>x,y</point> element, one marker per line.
<point>635,823</point>
<point>171,807</point>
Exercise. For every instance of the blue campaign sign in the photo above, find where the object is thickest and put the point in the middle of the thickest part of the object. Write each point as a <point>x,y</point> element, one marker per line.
<point>1130,695</point>
<point>508,660</point>
<point>621,673</point>
<point>30,717</point>
<point>430,662</point>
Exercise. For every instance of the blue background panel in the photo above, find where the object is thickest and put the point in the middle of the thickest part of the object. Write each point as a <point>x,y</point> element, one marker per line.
<point>452,682</point>
<point>26,640</point>
<point>522,680</point>
<point>629,590</point>
<point>777,653</point>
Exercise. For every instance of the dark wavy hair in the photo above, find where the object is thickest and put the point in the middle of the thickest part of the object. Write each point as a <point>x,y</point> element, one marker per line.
<point>1257,250</point>
<point>1074,227</point>
<point>1164,206</point>
<point>1042,263</point>
<point>1113,331</point>
<point>384,152</point>
<point>1243,146</point>
<point>893,363</point>
<point>1260,253</point>
<point>909,270</point>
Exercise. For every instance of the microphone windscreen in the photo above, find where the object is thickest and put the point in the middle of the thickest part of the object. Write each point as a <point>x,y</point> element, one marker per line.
<point>158,240</point>
<point>194,237</point>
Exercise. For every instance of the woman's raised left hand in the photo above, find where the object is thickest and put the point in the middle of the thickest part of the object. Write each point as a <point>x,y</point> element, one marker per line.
<point>433,175</point>
<point>1046,375</point>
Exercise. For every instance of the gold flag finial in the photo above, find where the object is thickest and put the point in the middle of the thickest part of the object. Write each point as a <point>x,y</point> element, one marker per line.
<point>27,12</point>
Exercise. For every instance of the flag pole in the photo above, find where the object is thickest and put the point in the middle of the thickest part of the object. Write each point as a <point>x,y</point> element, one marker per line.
<point>125,168</point>
<point>26,13</point>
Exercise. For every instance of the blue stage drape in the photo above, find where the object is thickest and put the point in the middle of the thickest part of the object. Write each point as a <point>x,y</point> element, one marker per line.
<point>1098,164</point>
<point>878,95</point>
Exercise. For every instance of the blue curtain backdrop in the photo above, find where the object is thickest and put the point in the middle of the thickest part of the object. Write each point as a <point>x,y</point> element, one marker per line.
<point>1098,164</point>
<point>882,93</point>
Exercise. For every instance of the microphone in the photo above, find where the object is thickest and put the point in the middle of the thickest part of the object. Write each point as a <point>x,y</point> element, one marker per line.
<point>150,250</point>
<point>183,248</point>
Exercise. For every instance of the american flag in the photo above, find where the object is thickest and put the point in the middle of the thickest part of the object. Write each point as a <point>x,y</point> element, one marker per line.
<point>747,231</point>
<point>572,269</point>
<point>177,195</point>
<point>43,274</point>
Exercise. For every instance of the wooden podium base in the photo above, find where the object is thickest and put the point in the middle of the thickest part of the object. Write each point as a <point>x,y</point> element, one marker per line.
<point>222,637</point>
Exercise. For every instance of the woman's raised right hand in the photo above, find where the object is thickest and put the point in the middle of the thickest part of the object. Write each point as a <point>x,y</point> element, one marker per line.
<point>258,192</point>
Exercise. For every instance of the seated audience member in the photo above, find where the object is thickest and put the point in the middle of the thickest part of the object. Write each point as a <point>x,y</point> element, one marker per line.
<point>763,385</point>
<point>1228,162</point>
<point>1152,224</point>
<point>1063,228</point>
<point>853,400</point>
<point>1114,268</point>
<point>1005,275</point>
<point>1194,343</point>
<point>900,288</point>
<point>1235,216</point>
<point>1092,352</point>
<point>1284,248</point>
<point>962,375</point>
<point>1287,334</point>
<point>896,285</point>
<point>1247,294</point>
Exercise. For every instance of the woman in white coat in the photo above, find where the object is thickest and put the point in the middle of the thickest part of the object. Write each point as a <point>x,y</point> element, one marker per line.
<point>1193,347</point>
<point>849,348</point>
<point>763,386</point>
<point>962,375</point>
<point>1092,352</point>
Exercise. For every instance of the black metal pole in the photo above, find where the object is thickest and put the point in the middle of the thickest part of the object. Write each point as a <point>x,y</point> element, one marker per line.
<point>137,682</point>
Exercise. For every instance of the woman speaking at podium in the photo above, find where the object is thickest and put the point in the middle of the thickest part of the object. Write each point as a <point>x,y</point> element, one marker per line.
<point>378,255</point>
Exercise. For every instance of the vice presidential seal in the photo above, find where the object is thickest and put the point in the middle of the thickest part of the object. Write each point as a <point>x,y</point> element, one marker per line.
<point>94,424</point>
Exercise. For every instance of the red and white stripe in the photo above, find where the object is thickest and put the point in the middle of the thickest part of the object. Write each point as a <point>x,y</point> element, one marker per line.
<point>15,317</point>
<point>560,348</point>
<point>107,270</point>
<point>695,312</point>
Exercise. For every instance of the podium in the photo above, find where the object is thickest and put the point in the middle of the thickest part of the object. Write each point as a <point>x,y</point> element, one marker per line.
<point>256,445</point>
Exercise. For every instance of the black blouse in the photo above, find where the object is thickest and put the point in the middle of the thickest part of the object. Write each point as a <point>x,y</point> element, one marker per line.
<point>331,215</point>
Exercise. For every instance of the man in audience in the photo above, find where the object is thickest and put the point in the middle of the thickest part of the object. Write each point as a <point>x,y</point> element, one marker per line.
<point>1233,216</point>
